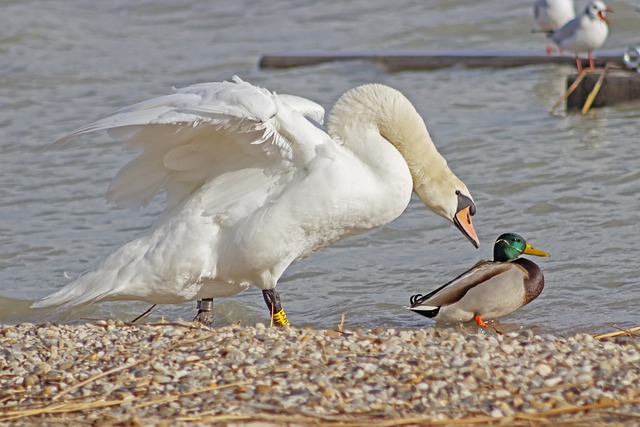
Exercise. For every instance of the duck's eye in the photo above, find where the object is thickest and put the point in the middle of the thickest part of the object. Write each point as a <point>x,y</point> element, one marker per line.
<point>458,192</point>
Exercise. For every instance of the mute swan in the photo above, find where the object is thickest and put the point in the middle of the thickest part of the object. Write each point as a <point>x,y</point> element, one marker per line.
<point>489,289</point>
<point>252,185</point>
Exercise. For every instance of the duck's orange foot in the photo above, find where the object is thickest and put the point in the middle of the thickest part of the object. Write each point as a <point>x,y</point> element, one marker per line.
<point>479,321</point>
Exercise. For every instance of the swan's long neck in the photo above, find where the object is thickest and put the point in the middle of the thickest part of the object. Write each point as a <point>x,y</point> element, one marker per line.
<point>392,116</point>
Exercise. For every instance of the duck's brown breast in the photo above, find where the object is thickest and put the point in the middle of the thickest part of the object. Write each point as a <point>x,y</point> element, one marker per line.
<point>533,281</point>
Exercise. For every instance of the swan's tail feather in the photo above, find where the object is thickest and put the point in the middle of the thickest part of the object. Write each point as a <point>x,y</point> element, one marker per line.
<point>84,290</point>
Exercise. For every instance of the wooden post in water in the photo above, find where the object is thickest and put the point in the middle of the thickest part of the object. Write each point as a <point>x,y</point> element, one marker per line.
<point>618,86</point>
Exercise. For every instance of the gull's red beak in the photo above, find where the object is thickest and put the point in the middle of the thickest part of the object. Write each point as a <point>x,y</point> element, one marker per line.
<point>602,15</point>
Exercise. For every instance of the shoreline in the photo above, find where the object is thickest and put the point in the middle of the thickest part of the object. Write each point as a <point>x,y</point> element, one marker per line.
<point>113,373</point>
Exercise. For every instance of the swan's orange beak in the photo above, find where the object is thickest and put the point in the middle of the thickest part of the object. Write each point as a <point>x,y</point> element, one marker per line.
<point>462,220</point>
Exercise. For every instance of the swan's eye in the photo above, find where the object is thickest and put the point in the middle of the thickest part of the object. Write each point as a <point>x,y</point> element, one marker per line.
<point>458,192</point>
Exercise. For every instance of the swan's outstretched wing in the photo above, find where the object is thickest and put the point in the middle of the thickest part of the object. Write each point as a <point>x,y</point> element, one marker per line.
<point>205,131</point>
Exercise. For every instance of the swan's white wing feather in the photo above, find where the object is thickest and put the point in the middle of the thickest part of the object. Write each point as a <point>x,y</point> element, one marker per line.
<point>307,108</point>
<point>204,131</point>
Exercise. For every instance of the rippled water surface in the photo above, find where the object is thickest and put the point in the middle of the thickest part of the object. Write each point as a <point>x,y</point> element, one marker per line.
<point>568,183</point>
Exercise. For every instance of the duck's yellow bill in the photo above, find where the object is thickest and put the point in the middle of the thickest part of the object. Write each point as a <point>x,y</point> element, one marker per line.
<point>530,250</point>
<point>462,220</point>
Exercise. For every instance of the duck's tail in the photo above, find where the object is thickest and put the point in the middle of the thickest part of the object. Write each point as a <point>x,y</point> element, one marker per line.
<point>425,310</point>
<point>417,305</point>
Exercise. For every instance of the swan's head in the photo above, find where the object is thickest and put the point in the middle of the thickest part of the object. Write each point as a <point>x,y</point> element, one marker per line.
<point>447,196</point>
<point>398,122</point>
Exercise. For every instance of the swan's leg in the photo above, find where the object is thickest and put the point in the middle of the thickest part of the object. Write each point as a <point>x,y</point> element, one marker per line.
<point>145,314</point>
<point>205,311</point>
<point>278,316</point>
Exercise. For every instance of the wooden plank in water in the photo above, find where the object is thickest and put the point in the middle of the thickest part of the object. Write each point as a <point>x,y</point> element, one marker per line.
<point>431,60</point>
<point>618,86</point>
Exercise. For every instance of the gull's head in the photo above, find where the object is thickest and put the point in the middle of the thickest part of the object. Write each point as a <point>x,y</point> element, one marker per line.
<point>596,9</point>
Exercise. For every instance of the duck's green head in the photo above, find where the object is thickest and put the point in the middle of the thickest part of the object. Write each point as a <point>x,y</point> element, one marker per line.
<point>510,246</point>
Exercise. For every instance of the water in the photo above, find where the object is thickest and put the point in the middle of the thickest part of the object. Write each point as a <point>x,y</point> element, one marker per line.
<point>568,183</point>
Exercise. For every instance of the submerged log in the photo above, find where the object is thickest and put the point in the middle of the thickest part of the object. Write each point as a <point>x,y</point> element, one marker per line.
<point>431,60</point>
<point>617,86</point>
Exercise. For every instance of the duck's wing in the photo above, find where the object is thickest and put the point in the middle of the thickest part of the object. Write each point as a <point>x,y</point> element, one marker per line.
<point>455,290</point>
<point>233,131</point>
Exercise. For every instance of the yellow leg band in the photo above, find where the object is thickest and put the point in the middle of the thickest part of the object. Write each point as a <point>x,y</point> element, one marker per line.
<point>280,318</point>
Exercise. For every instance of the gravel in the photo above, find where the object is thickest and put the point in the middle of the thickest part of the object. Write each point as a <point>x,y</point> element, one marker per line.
<point>113,373</point>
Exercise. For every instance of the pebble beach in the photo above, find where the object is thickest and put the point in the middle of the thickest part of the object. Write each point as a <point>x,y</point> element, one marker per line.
<point>108,372</point>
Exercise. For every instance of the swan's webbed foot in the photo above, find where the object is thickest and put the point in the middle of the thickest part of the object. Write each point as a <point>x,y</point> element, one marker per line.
<point>205,312</point>
<point>278,316</point>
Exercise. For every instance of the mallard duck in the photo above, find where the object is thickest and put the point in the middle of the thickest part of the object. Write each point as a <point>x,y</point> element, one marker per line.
<point>489,289</point>
<point>252,184</point>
